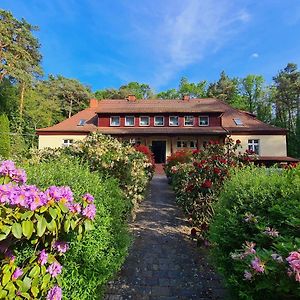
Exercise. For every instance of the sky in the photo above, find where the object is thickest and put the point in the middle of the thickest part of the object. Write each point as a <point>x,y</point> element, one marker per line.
<point>105,43</point>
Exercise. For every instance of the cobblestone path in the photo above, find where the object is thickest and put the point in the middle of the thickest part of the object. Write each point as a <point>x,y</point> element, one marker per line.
<point>164,263</point>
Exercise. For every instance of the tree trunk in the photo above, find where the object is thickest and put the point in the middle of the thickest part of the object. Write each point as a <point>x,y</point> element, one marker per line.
<point>22,92</point>
<point>71,106</point>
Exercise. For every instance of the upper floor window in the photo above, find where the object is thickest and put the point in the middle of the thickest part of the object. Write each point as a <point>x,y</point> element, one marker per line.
<point>81,122</point>
<point>253,145</point>
<point>115,121</point>
<point>67,142</point>
<point>188,121</point>
<point>159,121</point>
<point>144,121</point>
<point>129,121</point>
<point>238,121</point>
<point>203,121</point>
<point>173,121</point>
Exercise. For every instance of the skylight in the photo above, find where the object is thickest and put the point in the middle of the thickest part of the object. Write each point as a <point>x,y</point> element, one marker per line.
<point>238,121</point>
<point>81,122</point>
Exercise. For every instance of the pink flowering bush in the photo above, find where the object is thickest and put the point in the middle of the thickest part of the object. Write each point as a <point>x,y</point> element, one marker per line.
<point>255,233</point>
<point>37,225</point>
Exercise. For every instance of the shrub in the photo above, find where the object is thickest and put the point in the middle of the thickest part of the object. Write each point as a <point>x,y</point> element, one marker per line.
<point>176,158</point>
<point>36,230</point>
<point>4,137</point>
<point>255,233</point>
<point>90,263</point>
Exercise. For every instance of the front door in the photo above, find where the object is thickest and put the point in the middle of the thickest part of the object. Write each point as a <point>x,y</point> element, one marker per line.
<point>159,151</point>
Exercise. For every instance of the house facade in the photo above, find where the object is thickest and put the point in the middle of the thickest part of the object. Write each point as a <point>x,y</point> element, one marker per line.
<point>169,125</point>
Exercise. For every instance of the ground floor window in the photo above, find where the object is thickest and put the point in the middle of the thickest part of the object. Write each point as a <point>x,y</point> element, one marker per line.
<point>253,145</point>
<point>67,142</point>
<point>186,144</point>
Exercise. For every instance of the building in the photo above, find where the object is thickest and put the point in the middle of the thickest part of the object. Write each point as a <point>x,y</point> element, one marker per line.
<point>169,125</point>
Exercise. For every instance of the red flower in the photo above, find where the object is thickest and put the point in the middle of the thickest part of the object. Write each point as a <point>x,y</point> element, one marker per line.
<point>238,142</point>
<point>206,184</point>
<point>193,232</point>
<point>217,171</point>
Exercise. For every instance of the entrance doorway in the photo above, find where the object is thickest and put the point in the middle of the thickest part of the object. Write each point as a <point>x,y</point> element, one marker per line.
<point>159,151</point>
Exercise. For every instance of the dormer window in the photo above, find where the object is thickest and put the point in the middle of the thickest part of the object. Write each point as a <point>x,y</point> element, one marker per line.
<point>188,121</point>
<point>115,121</point>
<point>81,122</point>
<point>129,121</point>
<point>159,121</point>
<point>144,121</point>
<point>203,121</point>
<point>173,121</point>
<point>238,122</point>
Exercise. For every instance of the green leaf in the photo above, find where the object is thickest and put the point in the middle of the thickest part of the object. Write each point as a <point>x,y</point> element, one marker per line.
<point>34,272</point>
<point>26,284</point>
<point>16,230</point>
<point>3,294</point>
<point>27,228</point>
<point>67,225</point>
<point>27,215</point>
<point>52,225</point>
<point>34,291</point>
<point>3,236</point>
<point>63,207</point>
<point>52,212</point>
<point>6,278</point>
<point>88,225</point>
<point>46,280</point>
<point>41,226</point>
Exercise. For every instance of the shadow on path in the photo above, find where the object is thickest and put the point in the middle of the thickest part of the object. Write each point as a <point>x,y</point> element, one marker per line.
<point>164,262</point>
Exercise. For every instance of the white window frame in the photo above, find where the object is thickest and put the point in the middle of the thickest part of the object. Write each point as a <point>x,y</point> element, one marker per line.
<point>127,125</point>
<point>188,144</point>
<point>185,121</point>
<point>163,119</point>
<point>207,120</point>
<point>173,117</point>
<point>148,118</point>
<point>251,145</point>
<point>67,142</point>
<point>195,144</point>
<point>110,121</point>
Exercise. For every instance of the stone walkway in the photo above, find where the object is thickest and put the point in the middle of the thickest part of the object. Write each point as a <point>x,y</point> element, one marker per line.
<point>164,263</point>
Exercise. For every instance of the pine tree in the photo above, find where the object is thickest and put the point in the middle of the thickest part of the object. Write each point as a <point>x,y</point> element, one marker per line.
<point>4,137</point>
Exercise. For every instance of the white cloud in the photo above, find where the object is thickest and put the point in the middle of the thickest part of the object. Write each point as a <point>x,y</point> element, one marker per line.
<point>254,55</point>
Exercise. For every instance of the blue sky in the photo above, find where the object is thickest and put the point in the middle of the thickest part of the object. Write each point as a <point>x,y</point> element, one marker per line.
<point>106,43</point>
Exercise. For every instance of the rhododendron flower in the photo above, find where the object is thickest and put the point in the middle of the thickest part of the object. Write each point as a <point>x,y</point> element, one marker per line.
<point>43,257</point>
<point>207,184</point>
<point>54,269</point>
<point>75,208</point>
<point>247,275</point>
<point>88,198</point>
<point>237,142</point>
<point>8,168</point>
<point>295,265</point>
<point>294,255</point>
<point>217,171</point>
<point>257,265</point>
<point>271,232</point>
<point>89,211</point>
<point>61,246</point>
<point>55,293</point>
<point>16,274</point>
<point>250,218</point>
<point>249,248</point>
<point>57,194</point>
<point>297,277</point>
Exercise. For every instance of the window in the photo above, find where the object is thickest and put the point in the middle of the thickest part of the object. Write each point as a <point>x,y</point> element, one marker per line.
<point>129,121</point>
<point>238,122</point>
<point>188,121</point>
<point>186,144</point>
<point>173,121</point>
<point>144,121</point>
<point>253,145</point>
<point>193,144</point>
<point>115,121</point>
<point>203,121</point>
<point>159,121</point>
<point>81,122</point>
<point>67,142</point>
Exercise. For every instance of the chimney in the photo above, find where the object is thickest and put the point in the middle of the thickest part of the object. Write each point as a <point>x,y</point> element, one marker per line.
<point>93,103</point>
<point>186,97</point>
<point>131,98</point>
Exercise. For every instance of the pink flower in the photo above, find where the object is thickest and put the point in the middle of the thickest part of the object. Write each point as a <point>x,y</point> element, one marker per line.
<point>54,269</point>
<point>257,265</point>
<point>89,211</point>
<point>250,218</point>
<point>271,232</point>
<point>295,265</point>
<point>297,276</point>
<point>249,248</point>
<point>88,198</point>
<point>55,293</point>
<point>43,257</point>
<point>17,273</point>
<point>61,247</point>
<point>293,256</point>
<point>247,275</point>
<point>75,208</point>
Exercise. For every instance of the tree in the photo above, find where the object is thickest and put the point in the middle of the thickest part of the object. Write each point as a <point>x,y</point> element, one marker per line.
<point>19,52</point>
<point>4,136</point>
<point>72,95</point>
<point>194,90</point>
<point>287,104</point>
<point>168,94</point>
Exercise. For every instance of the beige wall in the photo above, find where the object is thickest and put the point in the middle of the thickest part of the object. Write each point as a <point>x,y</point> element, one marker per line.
<point>55,141</point>
<point>270,145</point>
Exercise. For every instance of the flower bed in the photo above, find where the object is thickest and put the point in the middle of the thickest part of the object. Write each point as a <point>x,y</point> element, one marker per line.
<point>36,228</point>
<point>255,233</point>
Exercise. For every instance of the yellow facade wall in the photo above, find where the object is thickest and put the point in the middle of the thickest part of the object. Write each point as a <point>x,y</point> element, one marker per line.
<point>56,141</point>
<point>269,145</point>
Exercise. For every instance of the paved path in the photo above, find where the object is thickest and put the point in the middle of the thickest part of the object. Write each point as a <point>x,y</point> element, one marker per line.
<point>164,263</point>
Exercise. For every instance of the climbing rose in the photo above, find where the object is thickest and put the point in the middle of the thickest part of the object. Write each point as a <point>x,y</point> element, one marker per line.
<point>61,246</point>
<point>43,257</point>
<point>17,273</point>
<point>54,269</point>
<point>89,211</point>
<point>257,265</point>
<point>55,293</point>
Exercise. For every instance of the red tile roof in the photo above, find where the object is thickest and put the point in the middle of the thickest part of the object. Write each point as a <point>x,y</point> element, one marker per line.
<point>250,123</point>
